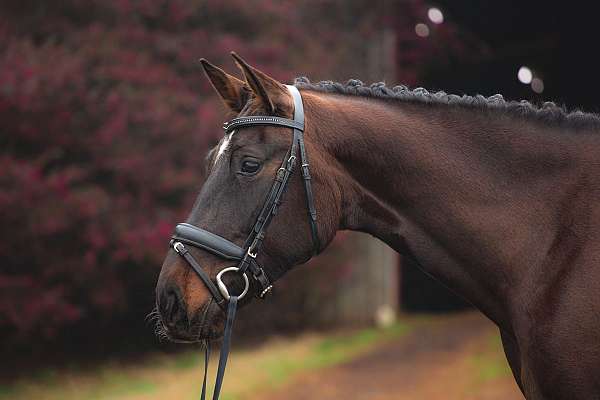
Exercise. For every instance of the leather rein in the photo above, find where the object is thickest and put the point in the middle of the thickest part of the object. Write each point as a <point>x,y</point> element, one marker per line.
<point>245,257</point>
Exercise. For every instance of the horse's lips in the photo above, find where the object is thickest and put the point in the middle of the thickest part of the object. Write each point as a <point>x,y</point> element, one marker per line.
<point>210,322</point>
<point>207,325</point>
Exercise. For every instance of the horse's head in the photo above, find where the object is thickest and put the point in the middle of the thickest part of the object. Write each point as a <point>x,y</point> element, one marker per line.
<point>241,188</point>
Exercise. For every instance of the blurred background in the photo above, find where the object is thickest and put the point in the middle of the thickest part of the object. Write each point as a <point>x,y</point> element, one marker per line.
<point>105,118</point>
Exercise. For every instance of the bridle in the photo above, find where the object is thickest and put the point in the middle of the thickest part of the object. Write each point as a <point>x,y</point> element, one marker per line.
<point>187,234</point>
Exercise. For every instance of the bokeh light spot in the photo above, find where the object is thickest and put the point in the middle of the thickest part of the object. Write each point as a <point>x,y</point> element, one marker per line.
<point>435,15</point>
<point>537,85</point>
<point>422,30</point>
<point>525,75</point>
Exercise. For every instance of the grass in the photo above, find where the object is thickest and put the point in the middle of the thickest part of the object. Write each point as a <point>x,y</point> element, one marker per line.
<point>179,376</point>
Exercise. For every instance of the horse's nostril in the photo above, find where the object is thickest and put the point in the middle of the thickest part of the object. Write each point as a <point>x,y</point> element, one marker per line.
<point>172,308</point>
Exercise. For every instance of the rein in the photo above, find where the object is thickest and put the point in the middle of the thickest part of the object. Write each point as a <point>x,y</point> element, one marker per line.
<point>187,234</point>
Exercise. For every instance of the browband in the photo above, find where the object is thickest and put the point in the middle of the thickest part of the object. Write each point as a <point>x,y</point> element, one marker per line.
<point>260,120</point>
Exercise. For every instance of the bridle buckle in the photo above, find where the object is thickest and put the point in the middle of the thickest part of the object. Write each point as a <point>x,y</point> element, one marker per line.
<point>251,253</point>
<point>290,163</point>
<point>178,247</point>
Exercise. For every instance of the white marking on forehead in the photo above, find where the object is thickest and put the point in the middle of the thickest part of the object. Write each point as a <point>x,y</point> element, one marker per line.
<point>224,146</point>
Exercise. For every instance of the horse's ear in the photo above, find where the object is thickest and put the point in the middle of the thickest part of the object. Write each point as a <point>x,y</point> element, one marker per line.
<point>233,91</point>
<point>268,90</point>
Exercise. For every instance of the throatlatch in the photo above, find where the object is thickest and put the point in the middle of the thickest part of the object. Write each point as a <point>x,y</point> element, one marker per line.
<point>187,234</point>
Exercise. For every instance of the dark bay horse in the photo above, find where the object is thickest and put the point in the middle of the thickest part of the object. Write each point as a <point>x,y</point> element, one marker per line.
<point>498,200</point>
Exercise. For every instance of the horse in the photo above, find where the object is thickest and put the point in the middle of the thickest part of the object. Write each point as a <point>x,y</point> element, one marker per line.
<point>496,199</point>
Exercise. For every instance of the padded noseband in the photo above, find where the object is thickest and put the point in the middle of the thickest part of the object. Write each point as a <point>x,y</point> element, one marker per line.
<point>203,239</point>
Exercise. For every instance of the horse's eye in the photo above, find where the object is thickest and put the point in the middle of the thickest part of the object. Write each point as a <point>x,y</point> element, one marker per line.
<point>250,167</point>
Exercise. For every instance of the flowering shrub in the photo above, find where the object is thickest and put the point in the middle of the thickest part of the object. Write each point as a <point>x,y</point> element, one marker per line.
<point>103,130</point>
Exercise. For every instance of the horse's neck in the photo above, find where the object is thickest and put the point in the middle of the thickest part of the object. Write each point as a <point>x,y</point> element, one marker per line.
<point>472,196</point>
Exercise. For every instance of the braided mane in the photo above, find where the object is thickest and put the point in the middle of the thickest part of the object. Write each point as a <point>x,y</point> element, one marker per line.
<point>548,112</point>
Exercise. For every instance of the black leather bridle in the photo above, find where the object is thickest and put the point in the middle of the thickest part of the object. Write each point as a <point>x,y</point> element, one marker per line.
<point>187,234</point>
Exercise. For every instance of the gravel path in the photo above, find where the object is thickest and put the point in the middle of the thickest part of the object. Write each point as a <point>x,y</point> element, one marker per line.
<point>438,359</point>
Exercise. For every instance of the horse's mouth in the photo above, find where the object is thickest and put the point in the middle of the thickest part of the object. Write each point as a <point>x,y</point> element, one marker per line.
<point>191,336</point>
<point>180,338</point>
<point>207,324</point>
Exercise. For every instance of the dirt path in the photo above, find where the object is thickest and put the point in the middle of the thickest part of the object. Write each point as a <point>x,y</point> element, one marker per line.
<point>448,358</point>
